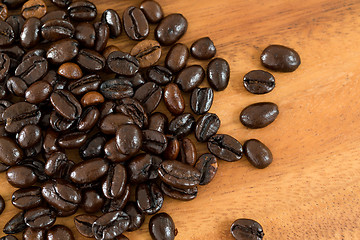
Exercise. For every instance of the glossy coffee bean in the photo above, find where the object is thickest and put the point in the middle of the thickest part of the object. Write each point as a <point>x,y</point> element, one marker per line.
<point>35,52</point>
<point>225,147</point>
<point>70,71</point>
<point>85,84</point>
<point>32,69</point>
<point>108,107</point>
<point>182,125</point>
<point>92,201</point>
<point>29,136</point>
<point>110,225</point>
<point>72,140</point>
<point>171,29</point>
<point>83,224</point>
<point>152,10</point>
<point>21,176</point>
<point>259,82</point>
<point>33,8</point>
<point>57,29</point>
<point>147,52</point>
<point>187,153</point>
<point>218,74</point>
<point>118,203</point>
<point>14,52</point>
<point>56,14</point>
<point>203,49</point>
<point>207,166</point>
<point>113,121</point>
<point>178,174</point>
<point>50,142</point>
<point>90,60</point>
<point>5,66</point>
<point>280,58</point>
<point>60,232</point>
<point>7,34</point>
<point>62,51</point>
<point>116,89</point>
<point>173,148</point>
<point>154,142</point>
<point>112,153</point>
<point>158,122</point>
<point>51,77</point>
<point>174,100</point>
<point>137,217</point>
<point>114,184</point>
<point>92,98</point>
<point>190,78</point>
<point>177,57</point>
<point>30,34</point>
<point>135,23</point>
<point>40,217</point>
<point>38,92</point>
<point>85,34</point>
<point>66,104</point>
<point>259,115</point>
<point>93,147</point>
<point>162,227</point>
<point>123,63</point>
<point>133,108</point>
<point>10,152</point>
<point>89,171</point>
<point>34,234</point>
<point>37,166</point>
<point>56,165</point>
<point>12,4</point>
<point>16,22</point>
<point>102,34</point>
<point>19,115</point>
<point>88,119</point>
<point>179,193</point>
<point>207,126</point>
<point>2,204</point>
<point>61,3</point>
<point>112,19</point>
<point>16,224</point>
<point>59,123</point>
<point>27,198</point>
<point>149,95</point>
<point>143,167</point>
<point>201,100</point>
<point>246,229</point>
<point>159,75</point>
<point>257,153</point>
<point>129,139</point>
<point>82,11</point>
<point>149,198</point>
<point>16,86</point>
<point>137,80</point>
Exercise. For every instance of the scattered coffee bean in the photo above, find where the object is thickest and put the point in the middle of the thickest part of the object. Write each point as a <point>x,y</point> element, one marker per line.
<point>85,34</point>
<point>16,224</point>
<point>29,136</point>
<point>257,153</point>
<point>30,33</point>
<point>83,224</point>
<point>182,125</point>
<point>280,58</point>
<point>110,225</point>
<point>152,11</point>
<point>161,226</point>
<point>92,201</point>
<point>40,217</point>
<point>98,167</point>
<point>27,198</point>
<point>218,74</point>
<point>112,19</point>
<point>153,142</point>
<point>171,29</point>
<point>149,197</point>
<point>179,193</point>
<point>143,167</point>
<point>206,127</point>
<point>246,229</point>
<point>57,29</point>
<point>259,115</point>
<point>32,69</point>
<point>123,63</point>
<point>115,182</point>
<point>201,100</point>
<point>102,34</point>
<point>159,75</point>
<point>203,49</point>
<point>70,71</point>
<point>21,176</point>
<point>187,153</point>
<point>128,139</point>
<point>225,147</point>
<point>177,57</point>
<point>34,8</point>
<point>158,122</point>
<point>34,234</point>
<point>259,82</point>
<point>190,78</point>
<point>90,60</point>
<point>66,104</point>
<point>147,52</point>
<point>82,11</point>
<point>207,166</point>
<point>137,217</point>
<point>10,152</point>
<point>136,25</point>
<point>62,51</point>
<point>149,95</point>
<point>174,100</point>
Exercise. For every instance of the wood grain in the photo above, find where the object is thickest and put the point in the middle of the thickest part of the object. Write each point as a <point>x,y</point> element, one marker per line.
<point>311,189</point>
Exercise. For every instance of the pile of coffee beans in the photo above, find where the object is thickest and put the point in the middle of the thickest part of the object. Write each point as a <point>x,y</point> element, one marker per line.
<point>62,88</point>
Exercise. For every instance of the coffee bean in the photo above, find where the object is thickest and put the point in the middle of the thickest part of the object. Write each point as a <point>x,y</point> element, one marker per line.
<point>190,78</point>
<point>114,183</point>
<point>118,203</point>
<point>259,115</point>
<point>173,148</point>
<point>35,52</point>
<point>92,201</point>
<point>178,174</point>
<point>177,57</point>
<point>112,122</point>
<point>33,8</point>
<point>153,142</point>
<point>80,172</point>
<point>218,74</point>
<point>15,54</point>
<point>123,63</point>
<point>135,24</point>
<point>137,217</point>
<point>85,34</point>
<point>112,153</point>
<point>203,49</point>
<point>59,123</point>
<point>2,204</point>
<point>280,58</point>
<point>207,166</point>
<point>88,119</point>
<point>83,224</point>
<point>16,224</point>
<point>38,92</point>
<point>55,14</point>
<point>92,98</point>
<point>27,198</point>
<point>93,147</point>
<point>207,126</point>
<point>147,52</point>
<point>107,108</point>
<point>171,29</point>
<point>29,136</point>
<point>90,60</point>
<point>116,89</point>
<point>60,232</point>
<point>9,237</point>
<point>102,34</point>
<point>149,95</point>
<point>246,229</point>
<point>259,82</point>
<point>257,153</point>
<point>61,3</point>
<point>33,151</point>
<point>161,226</point>
<point>19,115</point>
<point>158,122</point>
<point>32,69</point>
<point>152,11</point>
<point>179,193</point>
<point>149,198</point>
<point>225,147</point>
<point>12,4</point>
<point>5,66</point>
<point>72,140</point>
<point>133,108</point>
<point>112,19</point>
<point>85,84</point>
<point>34,234</point>
<point>16,86</point>
<point>82,11</point>
<point>57,29</point>
<point>143,167</point>
<point>110,225</point>
<point>57,165</point>
<point>40,217</point>
<point>51,77</point>
<point>182,125</point>
<point>16,22</point>
<point>201,100</point>
<point>66,104</point>
<point>174,100</point>
<point>129,139</point>
<point>187,152</point>
<point>38,168</point>
<point>70,71</point>
<point>62,51</point>
<point>30,34</point>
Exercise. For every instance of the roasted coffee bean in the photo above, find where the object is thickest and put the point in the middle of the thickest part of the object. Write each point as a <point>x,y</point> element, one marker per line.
<point>34,234</point>
<point>27,198</point>
<point>16,86</point>
<point>72,140</point>
<point>54,30</point>
<point>178,193</point>
<point>114,184</point>
<point>16,224</point>
<point>19,115</point>
<point>207,126</point>
<point>143,167</point>
<point>85,84</point>
<point>50,141</point>
<point>12,4</point>
<point>123,63</point>
<point>187,152</point>
<point>89,171</point>
<point>207,166</point>
<point>51,77</point>
<point>177,57</point>
<point>58,232</point>
<point>29,136</point>
<point>90,60</point>
<point>3,12</point>
<point>40,217</point>
<point>9,237</point>
<point>133,108</point>
<point>280,58</point>
<point>62,51</point>
<point>17,23</point>
<point>10,152</point>
<point>137,217</point>
<point>61,3</point>
<point>85,34</point>
<point>174,100</point>
<point>32,69</point>
<point>225,147</point>
<point>38,92</point>
<point>38,168</point>
<point>178,174</point>
<point>147,52</point>
<point>158,122</point>
<point>137,80</point>
<point>203,49</point>
<point>161,226</point>
<point>116,89</point>
<point>152,10</point>
<point>92,98</point>
<point>259,82</point>
<point>149,198</point>
<point>112,153</point>
<point>113,121</point>
<point>70,71</point>
<point>93,147</point>
<point>107,108</point>
<point>2,204</point>
<point>149,95</point>
<point>129,139</point>
<point>171,29</point>
<point>257,153</point>
<point>259,115</point>
<point>56,165</point>
<point>66,104</point>
<point>118,203</point>
<point>33,151</point>
<point>159,75</point>
<point>57,14</point>
<point>34,8</point>
<point>59,123</point>
<point>218,74</point>
<point>247,229</point>
<point>173,148</point>
<point>153,142</point>
<point>88,119</point>
<point>112,19</point>
<point>135,24</point>
<point>182,125</point>
<point>82,11</point>
<point>110,225</point>
<point>83,224</point>
<point>5,66</point>
<point>14,52</point>
<point>190,78</point>
<point>201,100</point>
<point>30,34</point>
<point>35,52</point>
<point>102,34</point>
<point>92,201</point>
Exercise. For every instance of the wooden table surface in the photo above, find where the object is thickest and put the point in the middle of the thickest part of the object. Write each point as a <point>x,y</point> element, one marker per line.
<point>311,190</point>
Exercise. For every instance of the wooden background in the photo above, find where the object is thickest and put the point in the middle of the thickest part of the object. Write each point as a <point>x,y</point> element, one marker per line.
<point>311,191</point>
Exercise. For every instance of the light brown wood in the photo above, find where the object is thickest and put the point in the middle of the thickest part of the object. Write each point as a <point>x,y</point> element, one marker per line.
<point>311,190</point>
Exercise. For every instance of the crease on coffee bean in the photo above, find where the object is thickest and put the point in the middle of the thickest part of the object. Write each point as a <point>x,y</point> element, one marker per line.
<point>34,7</point>
<point>134,22</point>
<point>219,141</point>
<point>254,81</point>
<point>86,54</point>
<point>147,52</point>
<point>210,119</point>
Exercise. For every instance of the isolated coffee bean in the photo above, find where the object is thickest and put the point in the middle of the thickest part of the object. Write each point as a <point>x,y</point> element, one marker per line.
<point>137,217</point>
<point>112,153</point>
<point>93,147</point>
<point>171,29</point>
<point>177,57</point>
<point>38,92</point>
<point>16,22</point>
<point>118,203</point>
<point>203,49</point>
<point>2,204</point>
<point>201,100</point>
<point>83,224</point>
<point>91,201</point>
<point>82,11</point>
<point>143,167</point>
<point>149,198</point>
<point>55,14</point>
<point>187,153</point>
<point>90,60</point>
<point>225,147</point>
<point>259,115</point>
<point>182,125</point>
<point>115,182</point>
<point>5,66</point>
<point>98,167</point>
<point>85,34</point>
<point>159,75</point>
<point>218,74</point>
<point>246,229</point>
<point>66,104</point>
<point>149,95</point>
<point>116,89</point>
<point>40,217</point>
<point>62,51</point>
<point>207,166</point>
<point>173,99</point>
<point>32,69</point>
<point>259,82</point>
<point>60,232</point>
<point>123,63</point>
<point>88,119</point>
<point>110,225</point>
<point>27,198</point>
<point>190,78</point>
<point>102,34</point>
<point>153,142</point>
<point>152,11</point>
<point>161,226</point>
<point>147,52</point>
<point>135,24</point>
<point>173,148</point>
<point>133,108</point>
<point>207,126</point>
<point>257,153</point>
<point>16,224</point>
<point>179,193</point>
<point>129,139</point>
<point>33,8</point>
<point>30,34</point>
<point>280,58</point>
<point>158,122</point>
<point>112,19</point>
<point>34,234</point>
<point>19,115</point>
<point>29,136</point>
<point>57,29</point>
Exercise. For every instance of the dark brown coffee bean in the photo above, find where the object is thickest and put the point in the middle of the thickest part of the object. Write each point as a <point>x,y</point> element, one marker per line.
<point>92,201</point>
<point>70,71</point>
<point>4,66</point>
<point>113,154</point>
<point>61,3</point>
<point>16,22</point>
<point>16,224</point>
<point>34,234</point>
<point>114,184</point>
<point>51,77</point>
<point>54,30</point>
<point>93,147</point>
<point>259,82</point>
<point>7,34</point>
<point>34,8</point>
<point>174,100</point>
<point>12,4</point>
<point>35,52</point>
<point>38,168</point>
<point>135,24</point>
<point>152,11</point>
<point>259,115</point>
<point>247,229</point>
<point>19,115</point>
<point>137,80</point>
<point>173,148</point>
<point>85,84</point>
<point>56,165</point>
<point>58,232</point>
<point>218,74</point>
<point>110,225</point>
<point>63,51</point>
<point>72,140</point>
<point>133,108</point>
<point>143,167</point>
<point>257,153</point>
<point>14,52</point>
<point>187,152</point>
<point>57,14</point>
<point>201,100</point>
<point>190,78</point>
<point>59,123</point>
<point>112,19</point>
<point>280,58</point>
<point>118,203</point>
<point>50,142</point>
<point>116,89</point>
<point>33,151</point>
<point>137,217</point>
<point>159,75</point>
<point>203,49</point>
<point>90,60</point>
<point>30,34</point>
<point>153,142</point>
<point>27,198</point>
<point>207,166</point>
<point>88,119</point>
<point>2,204</point>
<point>98,167</point>
<point>102,34</point>
<point>161,226</point>
<point>147,52</point>
<point>149,95</point>
<point>123,63</point>
<point>82,11</point>
<point>113,121</point>
<point>225,147</point>
<point>149,198</point>
<point>29,136</point>
<point>16,86</point>
<point>171,29</point>
<point>178,193</point>
<point>38,92</point>
<point>158,122</point>
<point>66,104</point>
<point>40,217</point>
<point>207,126</point>
<point>182,125</point>
<point>85,34</point>
<point>177,57</point>
<point>32,69</point>
<point>129,139</point>
<point>83,224</point>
